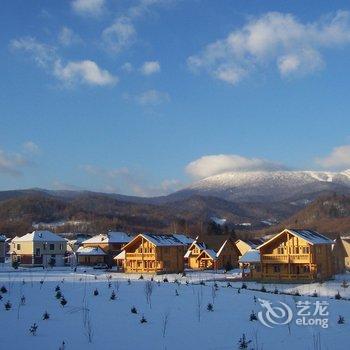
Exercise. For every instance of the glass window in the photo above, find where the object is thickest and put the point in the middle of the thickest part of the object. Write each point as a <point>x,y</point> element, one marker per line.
<point>18,247</point>
<point>52,247</point>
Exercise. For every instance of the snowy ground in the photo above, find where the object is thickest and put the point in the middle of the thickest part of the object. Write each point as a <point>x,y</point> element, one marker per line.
<point>189,323</point>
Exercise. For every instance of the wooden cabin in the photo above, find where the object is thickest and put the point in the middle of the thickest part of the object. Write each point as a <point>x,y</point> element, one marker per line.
<point>192,254</point>
<point>250,264</point>
<point>341,254</point>
<point>39,248</point>
<point>150,253</point>
<point>244,245</point>
<point>90,256</point>
<point>207,259</point>
<point>300,255</point>
<point>227,255</point>
<point>110,243</point>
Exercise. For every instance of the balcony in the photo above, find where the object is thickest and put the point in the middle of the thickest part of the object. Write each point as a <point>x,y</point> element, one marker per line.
<point>141,256</point>
<point>284,258</point>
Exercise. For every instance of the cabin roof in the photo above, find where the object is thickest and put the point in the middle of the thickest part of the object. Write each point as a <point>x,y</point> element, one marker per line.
<point>183,238</point>
<point>199,245</point>
<point>90,251</point>
<point>309,236</point>
<point>39,236</point>
<point>253,242</point>
<point>250,256</point>
<point>110,237</point>
<point>210,252</point>
<point>120,256</point>
<point>162,240</point>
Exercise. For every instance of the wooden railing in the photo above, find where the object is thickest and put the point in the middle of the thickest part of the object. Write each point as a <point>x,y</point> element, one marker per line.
<point>277,276</point>
<point>141,256</point>
<point>284,258</point>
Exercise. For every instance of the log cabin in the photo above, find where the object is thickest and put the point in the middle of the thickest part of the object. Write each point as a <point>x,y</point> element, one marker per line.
<point>245,245</point>
<point>39,248</point>
<point>227,255</point>
<point>192,254</point>
<point>90,256</point>
<point>299,255</point>
<point>110,243</point>
<point>150,253</point>
<point>341,254</point>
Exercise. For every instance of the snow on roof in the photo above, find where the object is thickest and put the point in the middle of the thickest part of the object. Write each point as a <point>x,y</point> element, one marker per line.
<point>90,251</point>
<point>183,238</point>
<point>2,238</point>
<point>120,256</point>
<point>110,237</point>
<point>250,256</point>
<point>253,242</point>
<point>211,253</point>
<point>39,236</point>
<point>309,236</point>
<point>199,245</point>
<point>162,240</point>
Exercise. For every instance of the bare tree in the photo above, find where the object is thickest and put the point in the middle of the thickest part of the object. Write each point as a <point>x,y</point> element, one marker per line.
<point>148,293</point>
<point>166,315</point>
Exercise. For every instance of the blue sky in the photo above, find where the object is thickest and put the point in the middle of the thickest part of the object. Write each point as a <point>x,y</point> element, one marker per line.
<point>143,97</point>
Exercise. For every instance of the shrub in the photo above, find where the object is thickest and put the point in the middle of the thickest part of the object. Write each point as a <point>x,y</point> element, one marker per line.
<point>96,292</point>
<point>33,328</point>
<point>337,296</point>
<point>275,291</point>
<point>46,315</point>
<point>229,285</point>
<point>57,288</point>
<point>129,282</point>
<point>244,286</point>
<point>143,319</point>
<point>341,320</point>
<point>243,342</point>
<point>165,279</point>
<point>176,293</point>
<point>58,294</point>
<point>133,310</point>
<point>141,277</point>
<point>296,293</point>
<point>263,289</point>
<point>314,294</point>
<point>8,306</point>
<point>113,296</point>
<point>63,301</point>
<point>3,290</point>
<point>202,283</point>
<point>210,307</point>
<point>253,316</point>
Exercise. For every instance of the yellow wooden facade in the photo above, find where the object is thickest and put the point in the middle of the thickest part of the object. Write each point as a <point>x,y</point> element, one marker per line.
<point>148,253</point>
<point>192,254</point>
<point>300,255</point>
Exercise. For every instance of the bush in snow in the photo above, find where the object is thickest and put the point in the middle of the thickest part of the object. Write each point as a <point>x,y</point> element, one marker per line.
<point>176,293</point>
<point>202,283</point>
<point>129,282</point>
<point>183,274</point>
<point>296,293</point>
<point>263,289</point>
<point>8,306</point>
<point>33,328</point>
<point>239,290</point>
<point>23,300</point>
<point>57,288</point>
<point>253,316</point>
<point>341,320</point>
<point>229,285</point>
<point>254,298</point>
<point>210,307</point>
<point>337,296</point>
<point>63,301</point>
<point>3,290</point>
<point>165,279</point>
<point>345,284</point>
<point>187,283</point>
<point>113,296</point>
<point>95,292</point>
<point>41,282</point>
<point>243,342</point>
<point>244,286</point>
<point>141,277</point>
<point>133,310</point>
<point>275,291</point>
<point>58,294</point>
<point>314,294</point>
<point>109,284</point>
<point>15,264</point>
<point>46,316</point>
<point>143,319</point>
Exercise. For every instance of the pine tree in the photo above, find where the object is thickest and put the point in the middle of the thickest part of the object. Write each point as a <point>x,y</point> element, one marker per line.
<point>46,315</point>
<point>8,306</point>
<point>96,292</point>
<point>63,301</point>
<point>113,296</point>
<point>133,310</point>
<point>33,329</point>
<point>210,307</point>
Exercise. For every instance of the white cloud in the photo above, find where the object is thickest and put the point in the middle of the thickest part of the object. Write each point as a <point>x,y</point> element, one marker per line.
<point>273,38</point>
<point>42,54</point>
<point>12,163</point>
<point>150,67</point>
<point>67,37</point>
<point>127,67</point>
<point>221,163</point>
<point>85,72</point>
<point>152,98</point>
<point>120,35</point>
<point>339,158</point>
<point>31,147</point>
<point>90,8</point>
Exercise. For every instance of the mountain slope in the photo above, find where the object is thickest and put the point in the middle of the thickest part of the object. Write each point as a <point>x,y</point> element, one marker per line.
<point>268,186</point>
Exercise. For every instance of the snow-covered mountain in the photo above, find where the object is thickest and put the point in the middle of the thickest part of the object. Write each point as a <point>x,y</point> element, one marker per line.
<point>269,185</point>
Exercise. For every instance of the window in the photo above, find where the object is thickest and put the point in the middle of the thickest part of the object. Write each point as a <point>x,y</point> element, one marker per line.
<point>45,246</point>
<point>37,252</point>
<point>277,268</point>
<point>52,247</point>
<point>61,246</point>
<point>18,247</point>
